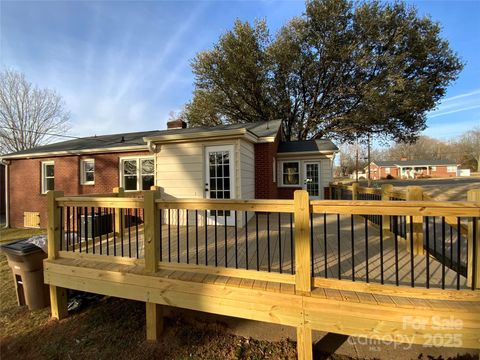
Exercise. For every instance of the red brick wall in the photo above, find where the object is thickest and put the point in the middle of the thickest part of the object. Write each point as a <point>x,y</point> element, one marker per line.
<point>265,188</point>
<point>287,192</point>
<point>25,181</point>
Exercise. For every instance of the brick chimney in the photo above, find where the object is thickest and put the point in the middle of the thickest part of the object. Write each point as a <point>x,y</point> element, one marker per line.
<point>176,124</point>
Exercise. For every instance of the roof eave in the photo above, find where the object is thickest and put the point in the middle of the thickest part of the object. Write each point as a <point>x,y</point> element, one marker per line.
<point>75,152</point>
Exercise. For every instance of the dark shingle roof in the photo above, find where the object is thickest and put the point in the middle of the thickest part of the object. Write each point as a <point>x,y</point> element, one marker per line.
<point>260,129</point>
<point>92,142</point>
<point>414,162</point>
<point>306,146</point>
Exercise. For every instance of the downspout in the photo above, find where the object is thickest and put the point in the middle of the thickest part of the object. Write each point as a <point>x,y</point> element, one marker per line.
<point>7,210</point>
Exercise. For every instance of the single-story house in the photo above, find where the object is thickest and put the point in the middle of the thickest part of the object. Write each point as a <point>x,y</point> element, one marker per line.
<point>411,169</point>
<point>242,161</point>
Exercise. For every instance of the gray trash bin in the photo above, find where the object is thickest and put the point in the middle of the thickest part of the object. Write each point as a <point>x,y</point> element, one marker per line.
<point>26,261</point>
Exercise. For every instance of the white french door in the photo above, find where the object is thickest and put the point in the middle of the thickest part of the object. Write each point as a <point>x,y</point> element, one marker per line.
<point>312,179</point>
<point>220,180</point>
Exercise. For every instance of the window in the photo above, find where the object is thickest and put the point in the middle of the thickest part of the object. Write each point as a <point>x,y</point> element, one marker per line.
<point>451,169</point>
<point>87,172</point>
<point>387,170</point>
<point>291,173</point>
<point>434,168</point>
<point>137,173</point>
<point>48,176</point>
<point>274,164</point>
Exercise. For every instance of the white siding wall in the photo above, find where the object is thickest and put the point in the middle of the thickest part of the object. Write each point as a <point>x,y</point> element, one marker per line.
<point>247,166</point>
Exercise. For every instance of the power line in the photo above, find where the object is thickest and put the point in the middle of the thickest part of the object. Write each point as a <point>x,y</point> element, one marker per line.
<point>69,136</point>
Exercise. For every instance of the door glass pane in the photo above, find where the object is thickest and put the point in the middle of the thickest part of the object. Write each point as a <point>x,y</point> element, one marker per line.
<point>50,182</point>
<point>312,180</point>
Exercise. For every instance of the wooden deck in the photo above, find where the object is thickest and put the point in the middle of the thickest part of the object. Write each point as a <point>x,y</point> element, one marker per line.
<point>227,254</point>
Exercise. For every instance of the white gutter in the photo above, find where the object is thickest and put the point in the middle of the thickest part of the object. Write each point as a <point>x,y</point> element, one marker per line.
<point>76,152</point>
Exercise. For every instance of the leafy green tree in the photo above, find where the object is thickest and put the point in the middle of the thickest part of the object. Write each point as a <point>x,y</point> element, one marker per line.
<point>338,70</point>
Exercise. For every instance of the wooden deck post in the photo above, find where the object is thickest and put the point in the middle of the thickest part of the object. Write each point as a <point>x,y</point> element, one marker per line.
<point>386,191</point>
<point>304,343</point>
<point>58,295</point>
<point>303,276</point>
<point>355,186</point>
<point>473,245</point>
<point>415,193</point>
<point>119,219</point>
<point>153,312</point>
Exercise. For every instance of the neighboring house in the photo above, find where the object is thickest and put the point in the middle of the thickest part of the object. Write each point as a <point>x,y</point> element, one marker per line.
<point>242,161</point>
<point>411,169</point>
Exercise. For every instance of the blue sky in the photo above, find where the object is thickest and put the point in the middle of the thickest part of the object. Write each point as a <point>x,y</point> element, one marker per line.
<point>124,66</point>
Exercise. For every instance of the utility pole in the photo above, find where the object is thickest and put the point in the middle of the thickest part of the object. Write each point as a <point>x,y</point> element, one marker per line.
<point>356,160</point>
<point>368,159</point>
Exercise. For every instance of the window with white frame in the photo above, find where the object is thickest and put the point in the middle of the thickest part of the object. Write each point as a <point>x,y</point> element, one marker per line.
<point>387,170</point>
<point>48,176</point>
<point>137,173</point>
<point>434,168</point>
<point>291,173</point>
<point>87,172</point>
<point>274,165</point>
<point>451,169</point>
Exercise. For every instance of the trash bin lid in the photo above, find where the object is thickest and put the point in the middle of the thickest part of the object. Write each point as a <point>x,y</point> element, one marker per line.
<point>20,247</point>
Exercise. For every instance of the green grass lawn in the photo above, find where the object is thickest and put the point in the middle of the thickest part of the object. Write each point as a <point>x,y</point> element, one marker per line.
<point>9,234</point>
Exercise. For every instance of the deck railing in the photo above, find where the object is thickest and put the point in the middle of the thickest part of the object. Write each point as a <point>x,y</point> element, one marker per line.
<point>301,242</point>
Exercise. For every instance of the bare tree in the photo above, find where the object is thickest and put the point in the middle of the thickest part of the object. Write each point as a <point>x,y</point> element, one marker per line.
<point>469,146</point>
<point>29,116</point>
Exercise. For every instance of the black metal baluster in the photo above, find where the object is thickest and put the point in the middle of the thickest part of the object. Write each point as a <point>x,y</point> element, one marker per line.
<point>366,250</point>
<point>459,235</point>
<point>136,233</point>
<point>160,225</point>
<point>79,227</point>
<point>451,246</point>
<point>280,242</point>
<point>236,241</point>
<point>74,228</point>
<point>93,228</point>
<point>114,234</point>
<point>443,252</point>
<point>86,229</point>
<point>100,225</point>
<point>178,235</point>
<point>395,218</point>
<point>68,227</point>
<point>187,237</point>
<point>292,265</point>
<point>311,245</point>
<point>206,238</point>
<point>352,226</point>
<point>381,250</point>
<point>268,241</point>
<point>196,237</point>
<point>325,242</point>
<point>434,236</point>
<point>246,240</point>
<point>169,238</point>
<point>427,257</point>
<point>412,257</point>
<point>225,234</point>
<point>474,253</point>
<point>108,220</point>
<point>216,238</point>
<point>129,225</point>
<point>62,230</point>
<point>256,232</point>
<point>339,252</point>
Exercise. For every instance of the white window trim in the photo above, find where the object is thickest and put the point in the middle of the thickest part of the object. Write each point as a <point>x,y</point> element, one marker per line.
<point>451,169</point>
<point>43,174</point>
<point>139,176</point>
<point>82,172</point>
<point>299,174</point>
<point>274,165</point>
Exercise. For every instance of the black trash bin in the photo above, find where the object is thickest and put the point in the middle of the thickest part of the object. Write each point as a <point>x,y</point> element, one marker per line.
<point>26,261</point>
